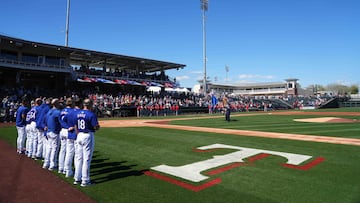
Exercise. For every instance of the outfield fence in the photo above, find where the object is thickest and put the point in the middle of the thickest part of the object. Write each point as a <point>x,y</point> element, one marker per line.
<point>349,104</point>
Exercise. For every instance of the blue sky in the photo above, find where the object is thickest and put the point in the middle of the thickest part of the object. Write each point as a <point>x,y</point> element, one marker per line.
<point>316,41</point>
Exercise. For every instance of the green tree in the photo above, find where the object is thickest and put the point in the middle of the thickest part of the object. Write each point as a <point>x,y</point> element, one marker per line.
<point>338,89</point>
<point>354,89</point>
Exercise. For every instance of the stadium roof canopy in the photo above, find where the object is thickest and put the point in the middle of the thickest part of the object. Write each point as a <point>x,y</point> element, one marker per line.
<point>79,57</point>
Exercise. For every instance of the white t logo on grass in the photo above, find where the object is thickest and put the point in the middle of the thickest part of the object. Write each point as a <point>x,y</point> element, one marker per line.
<point>192,172</point>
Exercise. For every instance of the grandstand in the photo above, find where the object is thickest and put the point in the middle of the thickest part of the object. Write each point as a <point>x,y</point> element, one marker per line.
<point>120,84</point>
<point>35,65</point>
<point>288,88</point>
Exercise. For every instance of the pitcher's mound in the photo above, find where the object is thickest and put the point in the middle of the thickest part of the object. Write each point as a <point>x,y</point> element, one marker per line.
<point>327,120</point>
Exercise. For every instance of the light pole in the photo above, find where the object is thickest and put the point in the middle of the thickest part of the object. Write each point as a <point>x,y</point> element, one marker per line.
<point>204,8</point>
<point>227,70</point>
<point>67,23</point>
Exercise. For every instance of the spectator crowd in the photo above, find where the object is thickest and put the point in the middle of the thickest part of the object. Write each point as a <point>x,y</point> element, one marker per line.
<point>152,104</point>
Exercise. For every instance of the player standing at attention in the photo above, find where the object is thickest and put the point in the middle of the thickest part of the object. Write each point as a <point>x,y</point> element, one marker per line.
<point>53,128</point>
<point>40,125</point>
<point>87,124</point>
<point>31,118</point>
<point>64,133</point>
<point>21,123</point>
<point>70,143</point>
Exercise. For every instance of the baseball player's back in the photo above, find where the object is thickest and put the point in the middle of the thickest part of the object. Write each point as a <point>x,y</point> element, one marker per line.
<point>53,129</point>
<point>21,114</point>
<point>87,123</point>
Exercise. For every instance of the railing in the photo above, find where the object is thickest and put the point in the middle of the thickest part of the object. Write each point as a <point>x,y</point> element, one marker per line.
<point>68,69</point>
<point>112,78</point>
<point>129,111</point>
<point>262,91</point>
<point>349,104</point>
<point>33,66</point>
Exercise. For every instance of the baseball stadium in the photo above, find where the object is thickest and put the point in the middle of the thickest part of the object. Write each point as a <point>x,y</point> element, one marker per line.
<point>174,145</point>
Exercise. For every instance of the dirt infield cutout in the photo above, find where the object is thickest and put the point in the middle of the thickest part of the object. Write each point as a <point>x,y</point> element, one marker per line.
<point>313,138</point>
<point>327,120</point>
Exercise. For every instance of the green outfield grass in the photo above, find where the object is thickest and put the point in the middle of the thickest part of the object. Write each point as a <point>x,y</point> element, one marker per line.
<point>123,154</point>
<point>281,123</point>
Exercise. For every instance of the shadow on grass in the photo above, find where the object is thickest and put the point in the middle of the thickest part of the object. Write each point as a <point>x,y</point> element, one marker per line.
<point>103,170</point>
<point>231,120</point>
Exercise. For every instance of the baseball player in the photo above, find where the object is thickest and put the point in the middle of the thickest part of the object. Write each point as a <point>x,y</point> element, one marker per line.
<point>53,128</point>
<point>31,118</point>
<point>72,134</point>
<point>87,124</point>
<point>40,125</point>
<point>214,102</point>
<point>20,124</point>
<point>32,130</point>
<point>64,134</point>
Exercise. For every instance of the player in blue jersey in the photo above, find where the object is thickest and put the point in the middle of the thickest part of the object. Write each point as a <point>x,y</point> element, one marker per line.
<point>64,133</point>
<point>20,124</point>
<point>40,125</point>
<point>70,145</point>
<point>52,127</point>
<point>30,117</point>
<point>31,134</point>
<point>87,124</point>
<point>214,102</point>
<point>35,136</point>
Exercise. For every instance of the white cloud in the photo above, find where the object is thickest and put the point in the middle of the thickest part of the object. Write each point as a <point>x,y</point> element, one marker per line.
<point>197,72</point>
<point>249,76</point>
<point>182,78</point>
<point>245,81</point>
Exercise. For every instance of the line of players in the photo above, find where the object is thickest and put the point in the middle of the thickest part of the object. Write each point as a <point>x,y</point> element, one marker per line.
<point>60,133</point>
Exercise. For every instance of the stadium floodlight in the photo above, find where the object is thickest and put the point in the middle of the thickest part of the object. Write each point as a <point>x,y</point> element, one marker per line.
<point>67,23</point>
<point>204,5</point>
<point>204,8</point>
